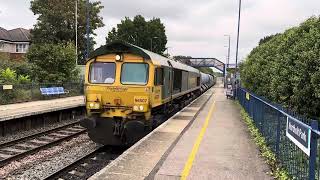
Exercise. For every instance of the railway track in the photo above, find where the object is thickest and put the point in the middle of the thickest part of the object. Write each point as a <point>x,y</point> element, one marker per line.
<point>22,147</point>
<point>87,165</point>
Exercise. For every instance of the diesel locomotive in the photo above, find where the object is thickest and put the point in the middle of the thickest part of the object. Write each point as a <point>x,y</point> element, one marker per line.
<point>129,89</point>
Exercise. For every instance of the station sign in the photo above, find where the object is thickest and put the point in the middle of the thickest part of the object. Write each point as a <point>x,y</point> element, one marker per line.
<point>7,87</point>
<point>299,134</point>
<point>247,96</point>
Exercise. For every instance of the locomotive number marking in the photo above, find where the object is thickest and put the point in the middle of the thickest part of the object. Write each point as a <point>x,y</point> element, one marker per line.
<point>140,100</point>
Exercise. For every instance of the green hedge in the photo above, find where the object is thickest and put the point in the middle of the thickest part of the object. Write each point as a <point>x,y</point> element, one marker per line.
<point>285,68</point>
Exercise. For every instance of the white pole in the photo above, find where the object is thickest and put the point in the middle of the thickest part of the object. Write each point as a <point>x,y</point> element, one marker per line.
<point>76,28</point>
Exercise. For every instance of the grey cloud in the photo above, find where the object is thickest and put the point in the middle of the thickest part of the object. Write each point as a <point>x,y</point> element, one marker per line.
<point>16,13</point>
<point>160,8</point>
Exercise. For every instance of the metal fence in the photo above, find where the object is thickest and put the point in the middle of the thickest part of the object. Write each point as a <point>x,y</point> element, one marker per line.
<point>271,120</point>
<point>31,92</point>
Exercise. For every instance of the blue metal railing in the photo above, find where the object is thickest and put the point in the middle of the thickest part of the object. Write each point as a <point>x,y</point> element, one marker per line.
<point>271,120</point>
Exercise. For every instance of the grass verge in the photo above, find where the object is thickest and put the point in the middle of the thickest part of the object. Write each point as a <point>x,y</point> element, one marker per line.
<point>277,171</point>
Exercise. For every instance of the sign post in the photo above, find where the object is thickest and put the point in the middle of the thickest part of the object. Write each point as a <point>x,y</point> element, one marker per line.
<point>299,134</point>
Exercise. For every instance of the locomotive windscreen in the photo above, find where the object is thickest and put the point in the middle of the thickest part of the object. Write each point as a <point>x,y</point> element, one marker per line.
<point>102,72</point>
<point>134,73</point>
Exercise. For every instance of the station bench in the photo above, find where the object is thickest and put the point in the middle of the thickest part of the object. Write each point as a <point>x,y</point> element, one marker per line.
<point>53,91</point>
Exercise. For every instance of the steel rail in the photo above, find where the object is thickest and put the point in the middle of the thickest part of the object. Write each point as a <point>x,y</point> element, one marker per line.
<point>37,134</point>
<point>77,161</point>
<point>34,149</point>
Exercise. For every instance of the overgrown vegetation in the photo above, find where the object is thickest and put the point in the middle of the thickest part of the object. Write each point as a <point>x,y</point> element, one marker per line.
<point>8,76</point>
<point>53,63</point>
<point>56,24</point>
<point>277,171</point>
<point>20,67</point>
<point>48,63</point>
<point>150,35</point>
<point>285,68</point>
<point>51,59</point>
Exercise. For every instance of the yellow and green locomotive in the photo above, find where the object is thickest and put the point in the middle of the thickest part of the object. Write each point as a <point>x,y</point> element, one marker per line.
<point>127,87</point>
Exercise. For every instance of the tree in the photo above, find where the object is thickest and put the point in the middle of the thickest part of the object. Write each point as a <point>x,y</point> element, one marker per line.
<point>267,38</point>
<point>53,62</point>
<point>286,68</point>
<point>56,22</point>
<point>141,33</point>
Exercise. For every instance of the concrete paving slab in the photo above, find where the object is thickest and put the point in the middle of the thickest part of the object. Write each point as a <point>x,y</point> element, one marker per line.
<point>13,111</point>
<point>175,126</point>
<point>226,150</point>
<point>183,113</point>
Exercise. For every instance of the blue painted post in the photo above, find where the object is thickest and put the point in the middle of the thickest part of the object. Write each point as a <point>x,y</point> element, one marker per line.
<point>278,135</point>
<point>313,151</point>
<point>88,32</point>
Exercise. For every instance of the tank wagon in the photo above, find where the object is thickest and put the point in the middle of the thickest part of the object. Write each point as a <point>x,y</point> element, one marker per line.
<point>129,89</point>
<point>207,80</point>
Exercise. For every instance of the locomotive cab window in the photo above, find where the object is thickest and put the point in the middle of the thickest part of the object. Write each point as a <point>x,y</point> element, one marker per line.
<point>102,73</point>
<point>177,79</point>
<point>158,77</point>
<point>198,81</point>
<point>134,73</point>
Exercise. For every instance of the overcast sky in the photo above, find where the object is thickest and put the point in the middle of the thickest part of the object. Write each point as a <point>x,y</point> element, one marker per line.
<point>194,27</point>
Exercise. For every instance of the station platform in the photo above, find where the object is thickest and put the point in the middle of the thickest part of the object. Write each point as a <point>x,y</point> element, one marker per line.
<point>19,110</point>
<point>206,140</point>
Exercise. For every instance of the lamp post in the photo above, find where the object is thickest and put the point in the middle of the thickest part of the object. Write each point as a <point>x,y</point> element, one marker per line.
<point>237,49</point>
<point>228,57</point>
<point>76,29</point>
<point>155,37</point>
<point>168,50</point>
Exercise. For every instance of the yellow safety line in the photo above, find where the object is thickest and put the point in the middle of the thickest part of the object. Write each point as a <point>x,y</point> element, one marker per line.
<point>192,155</point>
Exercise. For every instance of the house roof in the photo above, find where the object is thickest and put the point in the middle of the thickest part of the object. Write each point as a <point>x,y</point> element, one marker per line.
<point>15,35</point>
<point>4,34</point>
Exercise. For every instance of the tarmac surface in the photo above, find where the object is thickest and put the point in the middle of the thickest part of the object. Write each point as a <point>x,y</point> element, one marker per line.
<point>13,111</point>
<point>206,140</point>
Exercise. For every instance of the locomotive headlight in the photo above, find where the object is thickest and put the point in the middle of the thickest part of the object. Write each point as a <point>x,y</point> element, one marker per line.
<point>138,108</point>
<point>118,57</point>
<point>94,105</point>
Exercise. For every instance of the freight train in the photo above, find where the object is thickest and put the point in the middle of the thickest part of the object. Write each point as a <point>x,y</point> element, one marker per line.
<point>129,90</point>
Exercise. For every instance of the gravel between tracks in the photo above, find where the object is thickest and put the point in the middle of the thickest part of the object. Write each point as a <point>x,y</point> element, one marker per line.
<point>43,163</point>
<point>22,134</point>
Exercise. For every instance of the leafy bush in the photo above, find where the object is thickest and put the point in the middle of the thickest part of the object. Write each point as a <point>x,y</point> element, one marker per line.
<point>16,94</point>
<point>278,172</point>
<point>20,67</point>
<point>8,76</point>
<point>285,68</point>
<point>53,62</point>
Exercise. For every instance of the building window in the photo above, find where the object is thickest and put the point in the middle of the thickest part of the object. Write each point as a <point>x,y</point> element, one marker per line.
<point>21,48</point>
